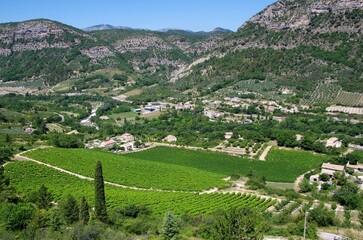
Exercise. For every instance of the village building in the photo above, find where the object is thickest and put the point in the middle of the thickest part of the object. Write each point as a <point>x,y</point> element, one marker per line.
<point>109,143</point>
<point>330,169</point>
<point>104,118</point>
<point>213,114</point>
<point>170,138</point>
<point>126,137</point>
<point>128,146</point>
<point>333,142</point>
<point>247,121</point>
<point>356,168</point>
<point>299,137</point>
<point>228,135</point>
<point>74,132</point>
<point>29,130</point>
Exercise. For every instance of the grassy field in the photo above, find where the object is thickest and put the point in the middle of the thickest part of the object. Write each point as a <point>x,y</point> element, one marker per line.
<point>128,171</point>
<point>28,176</point>
<point>281,165</point>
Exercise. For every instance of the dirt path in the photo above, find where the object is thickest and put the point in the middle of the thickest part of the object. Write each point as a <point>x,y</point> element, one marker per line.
<point>264,154</point>
<point>298,181</point>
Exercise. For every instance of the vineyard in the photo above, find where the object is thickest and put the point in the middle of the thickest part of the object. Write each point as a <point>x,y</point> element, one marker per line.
<point>28,176</point>
<point>323,93</point>
<point>349,99</point>
<point>53,127</point>
<point>292,163</point>
<point>349,110</point>
<point>128,171</point>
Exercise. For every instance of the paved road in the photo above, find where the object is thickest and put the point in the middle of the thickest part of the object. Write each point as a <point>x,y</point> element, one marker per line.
<point>330,236</point>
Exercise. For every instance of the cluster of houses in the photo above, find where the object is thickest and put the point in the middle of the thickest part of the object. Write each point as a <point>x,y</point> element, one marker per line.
<point>331,169</point>
<point>159,106</point>
<point>125,141</point>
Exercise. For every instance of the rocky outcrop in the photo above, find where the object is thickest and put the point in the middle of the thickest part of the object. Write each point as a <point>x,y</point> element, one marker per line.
<point>142,43</point>
<point>37,35</point>
<point>295,14</point>
<point>98,52</point>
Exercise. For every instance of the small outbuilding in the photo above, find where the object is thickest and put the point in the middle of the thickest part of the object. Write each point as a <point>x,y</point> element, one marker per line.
<point>333,142</point>
<point>170,138</point>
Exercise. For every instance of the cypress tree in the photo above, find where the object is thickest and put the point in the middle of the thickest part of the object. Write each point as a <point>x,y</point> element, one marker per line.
<point>100,201</point>
<point>84,211</point>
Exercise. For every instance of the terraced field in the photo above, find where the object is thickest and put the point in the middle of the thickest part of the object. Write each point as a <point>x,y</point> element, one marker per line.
<point>349,99</point>
<point>323,93</point>
<point>28,176</point>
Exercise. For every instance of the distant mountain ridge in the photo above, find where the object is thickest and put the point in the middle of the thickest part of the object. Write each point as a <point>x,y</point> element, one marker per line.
<point>298,44</point>
<point>100,27</point>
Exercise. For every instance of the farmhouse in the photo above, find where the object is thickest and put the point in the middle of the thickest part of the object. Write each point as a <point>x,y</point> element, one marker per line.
<point>109,143</point>
<point>330,169</point>
<point>126,137</point>
<point>333,142</point>
<point>170,138</point>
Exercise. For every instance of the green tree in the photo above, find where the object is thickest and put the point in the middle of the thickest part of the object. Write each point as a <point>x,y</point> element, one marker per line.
<point>100,200</point>
<point>242,223</point>
<point>44,198</point>
<point>305,186</point>
<point>70,210</point>
<point>348,195</point>
<point>324,177</point>
<point>84,211</point>
<point>170,230</point>
<point>5,154</point>
<point>7,193</point>
<point>347,218</point>
<point>322,216</point>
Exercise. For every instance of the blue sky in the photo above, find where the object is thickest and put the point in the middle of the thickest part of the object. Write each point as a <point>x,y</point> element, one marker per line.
<point>194,15</point>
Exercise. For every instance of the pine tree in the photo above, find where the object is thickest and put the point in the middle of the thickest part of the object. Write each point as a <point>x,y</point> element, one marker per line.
<point>70,210</point>
<point>170,230</point>
<point>100,200</point>
<point>84,211</point>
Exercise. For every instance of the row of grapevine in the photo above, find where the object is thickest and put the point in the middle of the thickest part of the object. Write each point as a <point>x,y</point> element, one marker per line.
<point>323,93</point>
<point>349,99</point>
<point>28,176</point>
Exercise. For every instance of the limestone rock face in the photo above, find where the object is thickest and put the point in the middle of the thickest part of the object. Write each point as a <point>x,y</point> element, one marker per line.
<point>286,14</point>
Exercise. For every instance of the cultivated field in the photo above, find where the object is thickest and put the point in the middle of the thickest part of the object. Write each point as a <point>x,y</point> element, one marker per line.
<point>28,176</point>
<point>323,93</point>
<point>281,165</point>
<point>131,172</point>
<point>349,99</point>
